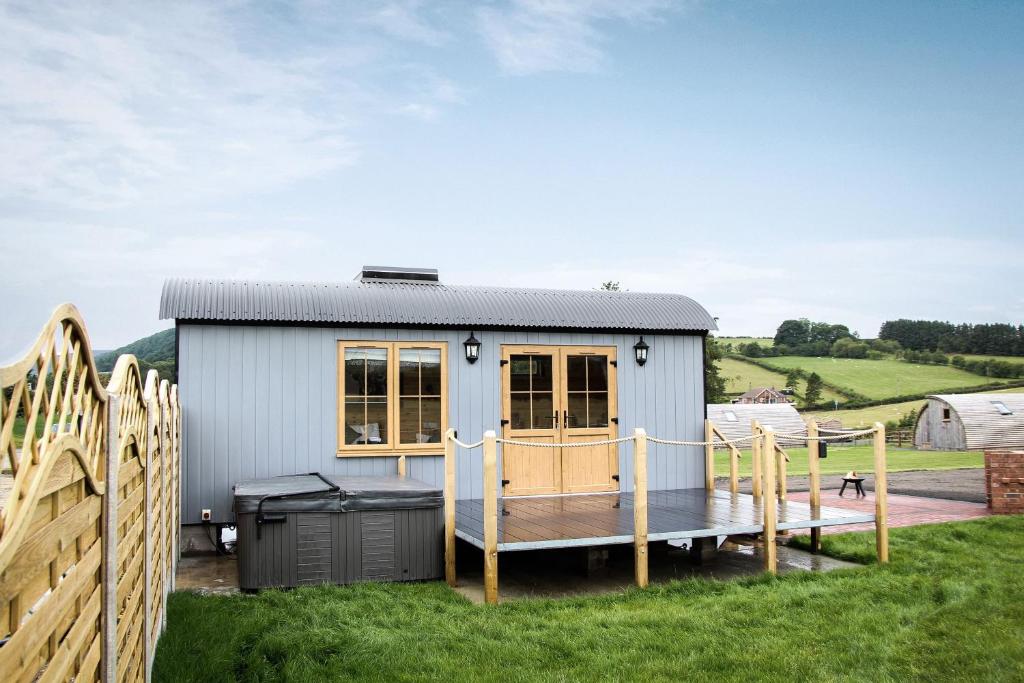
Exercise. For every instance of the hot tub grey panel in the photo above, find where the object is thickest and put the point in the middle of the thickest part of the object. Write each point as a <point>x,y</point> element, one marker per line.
<point>326,538</point>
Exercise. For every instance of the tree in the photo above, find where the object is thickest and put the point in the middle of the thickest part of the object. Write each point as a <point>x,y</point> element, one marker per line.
<point>812,394</point>
<point>848,347</point>
<point>793,332</point>
<point>610,286</point>
<point>793,378</point>
<point>714,383</point>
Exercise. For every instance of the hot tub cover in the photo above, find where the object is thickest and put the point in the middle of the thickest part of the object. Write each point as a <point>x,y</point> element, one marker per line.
<point>310,493</point>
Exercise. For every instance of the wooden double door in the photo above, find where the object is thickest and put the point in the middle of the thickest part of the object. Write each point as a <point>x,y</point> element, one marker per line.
<point>558,394</point>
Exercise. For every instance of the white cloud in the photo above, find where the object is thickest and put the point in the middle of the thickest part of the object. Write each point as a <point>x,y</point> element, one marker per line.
<point>532,36</point>
<point>403,20</point>
<point>107,106</point>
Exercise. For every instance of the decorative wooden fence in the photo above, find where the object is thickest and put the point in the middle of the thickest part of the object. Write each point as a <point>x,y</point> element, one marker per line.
<point>88,529</point>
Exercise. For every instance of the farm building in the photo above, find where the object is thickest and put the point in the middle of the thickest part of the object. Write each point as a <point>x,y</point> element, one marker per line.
<point>762,395</point>
<point>735,420</point>
<point>341,378</point>
<point>971,422</point>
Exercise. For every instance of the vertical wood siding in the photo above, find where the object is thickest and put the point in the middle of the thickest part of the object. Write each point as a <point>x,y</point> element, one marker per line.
<point>261,401</point>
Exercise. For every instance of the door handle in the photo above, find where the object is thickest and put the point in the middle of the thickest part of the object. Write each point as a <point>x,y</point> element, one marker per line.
<point>565,419</point>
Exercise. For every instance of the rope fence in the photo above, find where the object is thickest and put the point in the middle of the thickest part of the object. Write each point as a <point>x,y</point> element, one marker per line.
<point>835,436</point>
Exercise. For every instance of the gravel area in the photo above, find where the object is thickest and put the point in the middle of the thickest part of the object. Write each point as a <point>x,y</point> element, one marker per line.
<point>966,485</point>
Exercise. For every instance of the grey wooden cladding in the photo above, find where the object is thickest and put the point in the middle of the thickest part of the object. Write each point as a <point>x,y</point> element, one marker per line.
<point>261,401</point>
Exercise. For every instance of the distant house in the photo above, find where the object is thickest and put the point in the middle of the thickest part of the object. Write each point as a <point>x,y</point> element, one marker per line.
<point>971,422</point>
<point>762,395</point>
<point>735,420</point>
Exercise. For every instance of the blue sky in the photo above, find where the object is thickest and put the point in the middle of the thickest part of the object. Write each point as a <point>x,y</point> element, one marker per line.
<point>850,162</point>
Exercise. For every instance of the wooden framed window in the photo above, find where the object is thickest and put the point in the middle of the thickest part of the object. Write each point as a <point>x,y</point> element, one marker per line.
<point>392,397</point>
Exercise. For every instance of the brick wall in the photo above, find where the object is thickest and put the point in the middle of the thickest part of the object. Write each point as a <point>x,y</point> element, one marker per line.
<point>1004,481</point>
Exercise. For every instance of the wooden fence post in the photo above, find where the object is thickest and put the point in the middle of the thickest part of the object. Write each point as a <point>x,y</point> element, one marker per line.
<point>490,517</point>
<point>734,469</point>
<point>756,447</point>
<point>640,505</point>
<point>109,575</point>
<point>781,464</point>
<point>449,507</point>
<point>814,477</point>
<point>709,455</point>
<point>401,466</point>
<point>769,515</point>
<point>881,502</point>
<point>147,563</point>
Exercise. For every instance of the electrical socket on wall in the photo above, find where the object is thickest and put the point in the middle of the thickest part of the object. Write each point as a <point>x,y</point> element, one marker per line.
<point>207,515</point>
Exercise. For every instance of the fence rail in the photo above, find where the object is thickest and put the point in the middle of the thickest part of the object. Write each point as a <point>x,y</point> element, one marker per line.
<point>88,528</point>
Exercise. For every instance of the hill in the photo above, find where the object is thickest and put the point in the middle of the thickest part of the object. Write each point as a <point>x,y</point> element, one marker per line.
<point>880,379</point>
<point>153,352</point>
<point>741,376</point>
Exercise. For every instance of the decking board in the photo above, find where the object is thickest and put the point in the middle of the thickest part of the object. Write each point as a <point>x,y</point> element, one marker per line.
<point>536,522</point>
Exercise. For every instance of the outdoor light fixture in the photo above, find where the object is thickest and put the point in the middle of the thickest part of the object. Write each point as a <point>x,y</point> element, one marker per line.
<point>640,349</point>
<point>472,348</point>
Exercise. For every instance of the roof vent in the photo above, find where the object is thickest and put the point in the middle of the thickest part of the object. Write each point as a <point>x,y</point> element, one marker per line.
<point>396,274</point>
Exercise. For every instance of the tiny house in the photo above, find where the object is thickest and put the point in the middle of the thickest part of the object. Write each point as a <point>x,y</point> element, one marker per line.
<point>971,422</point>
<point>283,378</point>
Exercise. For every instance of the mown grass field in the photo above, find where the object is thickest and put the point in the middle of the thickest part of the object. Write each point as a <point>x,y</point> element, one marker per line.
<point>842,459</point>
<point>950,606</point>
<point>878,379</point>
<point>741,376</point>
<point>736,341</point>
<point>865,417</point>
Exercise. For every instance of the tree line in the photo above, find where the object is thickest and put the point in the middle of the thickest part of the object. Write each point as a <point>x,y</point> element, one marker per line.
<point>933,335</point>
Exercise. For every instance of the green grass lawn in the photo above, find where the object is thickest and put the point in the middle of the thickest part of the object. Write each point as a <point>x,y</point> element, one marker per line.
<point>842,459</point>
<point>950,606</point>
<point>882,378</point>
<point>741,376</point>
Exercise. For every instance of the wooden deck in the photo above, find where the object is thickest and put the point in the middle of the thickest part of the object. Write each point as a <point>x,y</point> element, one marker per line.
<point>538,522</point>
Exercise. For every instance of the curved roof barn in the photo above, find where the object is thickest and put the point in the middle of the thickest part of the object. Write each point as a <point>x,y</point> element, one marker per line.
<point>971,422</point>
<point>734,420</point>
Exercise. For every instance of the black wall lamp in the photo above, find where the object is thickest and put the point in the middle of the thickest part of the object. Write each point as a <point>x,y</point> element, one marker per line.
<point>640,349</point>
<point>472,348</point>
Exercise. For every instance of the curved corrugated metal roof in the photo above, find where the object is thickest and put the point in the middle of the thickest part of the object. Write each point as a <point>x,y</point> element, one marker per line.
<point>734,420</point>
<point>428,304</point>
<point>984,425</point>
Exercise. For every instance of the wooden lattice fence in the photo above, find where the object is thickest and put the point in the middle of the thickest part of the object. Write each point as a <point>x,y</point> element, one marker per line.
<point>89,513</point>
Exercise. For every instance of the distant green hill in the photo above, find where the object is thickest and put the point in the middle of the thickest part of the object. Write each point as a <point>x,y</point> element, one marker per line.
<point>153,352</point>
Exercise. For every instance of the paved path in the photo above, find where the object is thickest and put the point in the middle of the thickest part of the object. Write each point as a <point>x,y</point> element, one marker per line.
<point>965,484</point>
<point>903,510</point>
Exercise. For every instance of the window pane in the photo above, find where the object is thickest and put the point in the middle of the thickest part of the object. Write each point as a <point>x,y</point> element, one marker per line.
<point>597,373</point>
<point>377,373</point>
<point>354,423</point>
<point>354,373</point>
<point>520,407</point>
<point>376,421</point>
<point>576,373</point>
<point>598,409</point>
<point>578,410</point>
<point>408,419</point>
<point>409,372</point>
<point>430,372</point>
<point>543,410</point>
<point>430,424</point>
<point>541,373</point>
<point>519,373</point>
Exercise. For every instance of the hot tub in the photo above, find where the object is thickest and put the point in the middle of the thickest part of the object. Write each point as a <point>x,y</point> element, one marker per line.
<point>310,529</point>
